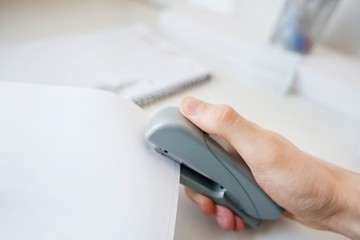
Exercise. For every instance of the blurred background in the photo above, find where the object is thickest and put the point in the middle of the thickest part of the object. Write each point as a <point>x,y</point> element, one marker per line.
<point>219,29</point>
<point>341,30</point>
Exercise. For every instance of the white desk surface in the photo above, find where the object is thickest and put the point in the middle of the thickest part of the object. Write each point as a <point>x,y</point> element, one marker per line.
<point>320,131</point>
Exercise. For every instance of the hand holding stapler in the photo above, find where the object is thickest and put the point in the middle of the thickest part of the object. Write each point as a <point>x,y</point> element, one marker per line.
<point>206,167</point>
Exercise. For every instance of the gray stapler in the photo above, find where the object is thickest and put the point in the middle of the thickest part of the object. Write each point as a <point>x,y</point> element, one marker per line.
<point>209,169</point>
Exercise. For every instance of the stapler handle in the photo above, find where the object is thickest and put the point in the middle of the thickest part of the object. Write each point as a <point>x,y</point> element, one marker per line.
<point>211,189</point>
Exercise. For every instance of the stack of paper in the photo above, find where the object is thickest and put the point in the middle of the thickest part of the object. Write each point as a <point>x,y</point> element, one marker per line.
<point>74,164</point>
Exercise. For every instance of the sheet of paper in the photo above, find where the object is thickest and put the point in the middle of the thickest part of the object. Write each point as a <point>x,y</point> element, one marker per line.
<point>74,164</point>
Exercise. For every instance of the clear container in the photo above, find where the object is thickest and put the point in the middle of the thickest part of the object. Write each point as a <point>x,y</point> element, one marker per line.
<point>301,22</point>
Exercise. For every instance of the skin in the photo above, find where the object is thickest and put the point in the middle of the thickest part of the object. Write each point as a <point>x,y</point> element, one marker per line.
<point>313,192</point>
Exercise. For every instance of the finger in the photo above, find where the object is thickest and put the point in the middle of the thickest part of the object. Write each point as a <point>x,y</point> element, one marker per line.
<point>225,218</point>
<point>214,119</point>
<point>239,224</point>
<point>209,208</point>
<point>206,205</point>
<point>222,121</point>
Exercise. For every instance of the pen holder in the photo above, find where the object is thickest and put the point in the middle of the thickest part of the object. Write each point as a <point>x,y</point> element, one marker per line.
<point>301,22</point>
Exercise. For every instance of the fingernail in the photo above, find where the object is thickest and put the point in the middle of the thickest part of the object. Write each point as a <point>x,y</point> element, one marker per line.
<point>190,106</point>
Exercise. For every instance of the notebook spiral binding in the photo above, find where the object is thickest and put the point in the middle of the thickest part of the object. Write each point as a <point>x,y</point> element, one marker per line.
<point>169,90</point>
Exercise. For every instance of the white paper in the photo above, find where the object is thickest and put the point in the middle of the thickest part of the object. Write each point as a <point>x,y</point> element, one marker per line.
<point>74,164</point>
<point>132,61</point>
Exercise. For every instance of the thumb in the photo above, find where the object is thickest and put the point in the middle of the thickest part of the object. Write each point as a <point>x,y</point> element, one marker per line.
<point>261,149</point>
<point>222,121</point>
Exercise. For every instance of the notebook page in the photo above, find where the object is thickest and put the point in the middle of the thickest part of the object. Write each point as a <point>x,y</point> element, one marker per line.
<point>74,165</point>
<point>131,61</point>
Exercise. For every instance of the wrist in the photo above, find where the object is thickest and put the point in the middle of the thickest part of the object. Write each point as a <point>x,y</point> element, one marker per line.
<point>347,220</point>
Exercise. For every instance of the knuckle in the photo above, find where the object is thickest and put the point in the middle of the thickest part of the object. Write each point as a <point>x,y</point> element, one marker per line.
<point>226,115</point>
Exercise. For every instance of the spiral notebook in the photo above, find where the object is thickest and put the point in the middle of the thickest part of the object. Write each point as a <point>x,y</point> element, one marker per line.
<point>134,62</point>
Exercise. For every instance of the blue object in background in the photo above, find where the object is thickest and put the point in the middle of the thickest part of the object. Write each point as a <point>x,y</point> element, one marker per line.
<point>301,22</point>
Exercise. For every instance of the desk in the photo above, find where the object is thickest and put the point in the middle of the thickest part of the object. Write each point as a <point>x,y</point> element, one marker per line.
<point>315,129</point>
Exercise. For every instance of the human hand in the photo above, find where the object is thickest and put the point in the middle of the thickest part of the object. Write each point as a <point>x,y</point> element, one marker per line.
<point>309,189</point>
